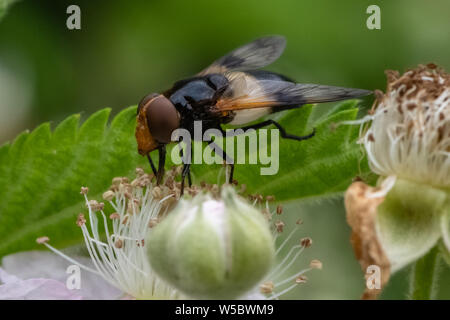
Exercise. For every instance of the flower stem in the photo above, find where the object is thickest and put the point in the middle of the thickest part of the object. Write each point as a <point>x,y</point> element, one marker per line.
<point>424,276</point>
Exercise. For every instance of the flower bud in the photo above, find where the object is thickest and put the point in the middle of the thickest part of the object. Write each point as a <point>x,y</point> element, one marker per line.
<point>212,249</point>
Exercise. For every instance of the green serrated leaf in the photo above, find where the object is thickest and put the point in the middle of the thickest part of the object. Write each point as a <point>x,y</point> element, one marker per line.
<point>42,172</point>
<point>345,105</point>
<point>319,167</point>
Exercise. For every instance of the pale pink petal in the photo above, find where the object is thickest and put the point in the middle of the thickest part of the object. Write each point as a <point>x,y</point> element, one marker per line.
<point>43,264</point>
<point>34,289</point>
<point>5,277</point>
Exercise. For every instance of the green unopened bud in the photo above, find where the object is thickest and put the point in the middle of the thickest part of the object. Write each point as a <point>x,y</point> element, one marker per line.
<point>212,249</point>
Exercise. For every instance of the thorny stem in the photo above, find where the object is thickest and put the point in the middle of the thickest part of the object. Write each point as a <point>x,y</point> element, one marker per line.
<point>424,276</point>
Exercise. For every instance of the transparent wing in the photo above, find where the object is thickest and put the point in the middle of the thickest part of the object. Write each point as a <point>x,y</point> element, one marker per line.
<point>254,55</point>
<point>246,92</point>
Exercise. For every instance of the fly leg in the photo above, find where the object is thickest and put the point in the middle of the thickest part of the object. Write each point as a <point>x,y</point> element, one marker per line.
<point>152,164</point>
<point>225,157</point>
<point>230,179</point>
<point>186,171</point>
<point>189,178</point>
<point>283,132</point>
<point>161,163</point>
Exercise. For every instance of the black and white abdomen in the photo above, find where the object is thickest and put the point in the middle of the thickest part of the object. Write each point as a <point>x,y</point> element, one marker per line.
<point>242,117</point>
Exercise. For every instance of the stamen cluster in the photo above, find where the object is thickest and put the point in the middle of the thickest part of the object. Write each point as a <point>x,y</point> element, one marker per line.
<point>409,136</point>
<point>280,279</point>
<point>116,244</point>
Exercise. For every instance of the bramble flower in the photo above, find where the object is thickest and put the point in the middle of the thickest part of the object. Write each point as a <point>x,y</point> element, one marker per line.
<point>118,242</point>
<point>121,258</point>
<point>407,141</point>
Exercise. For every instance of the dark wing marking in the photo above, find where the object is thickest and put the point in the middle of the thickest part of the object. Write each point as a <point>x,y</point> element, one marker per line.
<point>254,55</point>
<point>245,92</point>
<point>315,93</point>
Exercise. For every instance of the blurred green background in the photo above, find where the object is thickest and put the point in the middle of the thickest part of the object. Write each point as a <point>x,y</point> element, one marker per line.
<point>127,49</point>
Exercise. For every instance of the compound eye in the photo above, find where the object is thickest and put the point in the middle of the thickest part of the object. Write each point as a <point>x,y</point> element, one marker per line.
<point>162,118</point>
<point>145,100</point>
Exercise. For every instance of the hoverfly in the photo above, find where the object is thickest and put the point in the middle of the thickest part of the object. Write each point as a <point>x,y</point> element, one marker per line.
<point>230,91</point>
